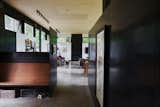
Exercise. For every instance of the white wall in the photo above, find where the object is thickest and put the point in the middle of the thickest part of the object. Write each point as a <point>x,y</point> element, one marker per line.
<point>100,67</point>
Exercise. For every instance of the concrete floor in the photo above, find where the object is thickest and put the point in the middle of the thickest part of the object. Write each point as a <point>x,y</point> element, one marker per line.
<point>72,91</point>
<point>72,75</point>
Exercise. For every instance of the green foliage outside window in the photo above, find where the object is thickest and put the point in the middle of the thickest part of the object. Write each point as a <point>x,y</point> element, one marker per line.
<point>53,40</point>
<point>85,40</point>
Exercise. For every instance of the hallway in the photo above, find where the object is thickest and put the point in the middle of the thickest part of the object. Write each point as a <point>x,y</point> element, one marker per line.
<point>72,91</point>
<point>79,53</point>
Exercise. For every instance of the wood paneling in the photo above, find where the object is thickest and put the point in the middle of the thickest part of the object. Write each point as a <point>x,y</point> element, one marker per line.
<point>24,73</point>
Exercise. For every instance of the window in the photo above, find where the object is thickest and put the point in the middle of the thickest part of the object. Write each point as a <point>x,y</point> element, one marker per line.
<point>28,29</point>
<point>85,40</point>
<point>92,40</point>
<point>37,39</point>
<point>12,24</point>
<point>48,37</point>
<point>68,39</point>
<point>63,39</point>
<point>48,43</point>
<point>43,34</point>
<point>43,43</point>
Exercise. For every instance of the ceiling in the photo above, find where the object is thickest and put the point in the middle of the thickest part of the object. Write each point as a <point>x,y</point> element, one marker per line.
<point>68,16</point>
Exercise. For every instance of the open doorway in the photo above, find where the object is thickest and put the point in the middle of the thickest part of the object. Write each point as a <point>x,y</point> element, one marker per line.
<point>72,59</point>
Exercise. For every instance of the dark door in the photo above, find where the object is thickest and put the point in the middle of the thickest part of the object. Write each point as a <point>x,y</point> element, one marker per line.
<point>76,46</point>
<point>107,41</point>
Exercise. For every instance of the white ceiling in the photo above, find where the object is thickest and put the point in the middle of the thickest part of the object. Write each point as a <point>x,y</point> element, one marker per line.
<point>68,16</point>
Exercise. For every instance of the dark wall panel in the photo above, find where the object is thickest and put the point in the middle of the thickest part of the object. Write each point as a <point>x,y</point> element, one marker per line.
<point>92,68</point>
<point>107,41</point>
<point>105,4</point>
<point>76,46</point>
<point>7,41</point>
<point>53,59</point>
<point>134,71</point>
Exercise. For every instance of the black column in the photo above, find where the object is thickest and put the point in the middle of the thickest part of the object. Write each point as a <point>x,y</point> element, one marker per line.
<point>76,46</point>
<point>2,24</point>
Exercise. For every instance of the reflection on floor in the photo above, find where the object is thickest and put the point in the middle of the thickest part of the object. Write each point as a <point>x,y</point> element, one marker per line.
<point>71,75</point>
<point>72,91</point>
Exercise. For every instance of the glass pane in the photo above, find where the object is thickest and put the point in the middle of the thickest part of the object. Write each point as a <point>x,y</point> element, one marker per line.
<point>37,39</point>
<point>85,40</point>
<point>43,42</point>
<point>92,40</point>
<point>42,35</point>
<point>48,46</point>
<point>63,39</point>
<point>48,38</point>
<point>12,24</point>
<point>28,29</point>
<point>68,39</point>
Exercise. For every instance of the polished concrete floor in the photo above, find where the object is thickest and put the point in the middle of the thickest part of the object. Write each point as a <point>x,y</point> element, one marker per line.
<point>72,91</point>
<point>71,75</point>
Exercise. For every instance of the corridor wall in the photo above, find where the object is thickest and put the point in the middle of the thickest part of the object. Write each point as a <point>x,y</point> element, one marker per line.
<point>100,68</point>
<point>7,41</point>
<point>134,71</point>
<point>92,67</point>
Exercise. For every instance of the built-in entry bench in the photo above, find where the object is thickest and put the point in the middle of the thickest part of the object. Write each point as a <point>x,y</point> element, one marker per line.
<point>26,73</point>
